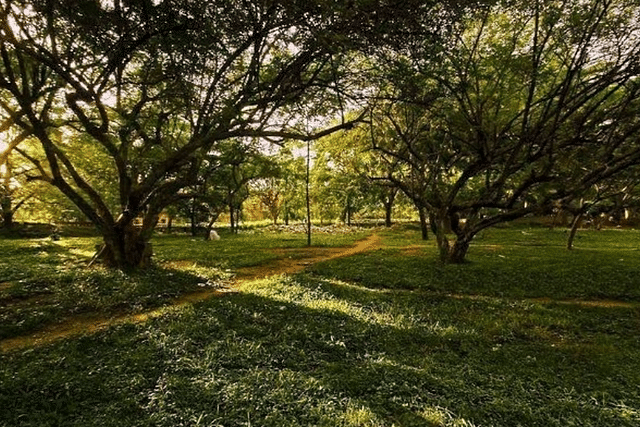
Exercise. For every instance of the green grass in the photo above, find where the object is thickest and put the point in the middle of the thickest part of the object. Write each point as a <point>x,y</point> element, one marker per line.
<point>241,250</point>
<point>315,350</point>
<point>44,281</point>
<point>512,262</point>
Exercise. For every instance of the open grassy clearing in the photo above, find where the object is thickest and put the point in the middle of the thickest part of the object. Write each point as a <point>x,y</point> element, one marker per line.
<point>375,348</point>
<point>509,262</point>
<point>43,281</point>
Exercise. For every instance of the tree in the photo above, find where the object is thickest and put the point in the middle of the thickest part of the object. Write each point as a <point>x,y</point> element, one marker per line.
<point>610,198</point>
<point>242,164</point>
<point>153,86</point>
<point>349,175</point>
<point>291,183</point>
<point>339,182</point>
<point>271,198</point>
<point>529,106</point>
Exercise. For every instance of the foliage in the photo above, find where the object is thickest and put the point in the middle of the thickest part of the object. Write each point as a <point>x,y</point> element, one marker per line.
<point>149,88</point>
<point>529,105</point>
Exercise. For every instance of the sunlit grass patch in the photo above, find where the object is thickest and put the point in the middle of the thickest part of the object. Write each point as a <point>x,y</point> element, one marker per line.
<point>242,250</point>
<point>45,282</point>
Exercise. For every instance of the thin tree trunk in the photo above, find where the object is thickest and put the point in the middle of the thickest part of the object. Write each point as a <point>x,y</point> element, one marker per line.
<point>388,206</point>
<point>7,213</point>
<point>286,213</point>
<point>232,223</point>
<point>577,220</point>
<point>424,227</point>
<point>193,218</point>
<point>307,196</point>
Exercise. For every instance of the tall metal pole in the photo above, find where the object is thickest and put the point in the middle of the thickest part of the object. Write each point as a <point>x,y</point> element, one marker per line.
<point>308,199</point>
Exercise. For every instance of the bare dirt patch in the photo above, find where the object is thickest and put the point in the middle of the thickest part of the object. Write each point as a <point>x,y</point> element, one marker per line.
<point>412,250</point>
<point>292,261</point>
<point>590,303</point>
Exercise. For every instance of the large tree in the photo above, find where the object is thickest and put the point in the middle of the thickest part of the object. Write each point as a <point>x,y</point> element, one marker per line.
<point>530,105</point>
<point>152,86</point>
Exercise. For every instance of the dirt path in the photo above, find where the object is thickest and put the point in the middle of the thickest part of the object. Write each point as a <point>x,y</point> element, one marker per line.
<point>292,261</point>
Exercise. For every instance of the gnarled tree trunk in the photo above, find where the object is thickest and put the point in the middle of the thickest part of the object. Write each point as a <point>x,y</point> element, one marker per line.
<point>126,250</point>
<point>456,252</point>
<point>128,247</point>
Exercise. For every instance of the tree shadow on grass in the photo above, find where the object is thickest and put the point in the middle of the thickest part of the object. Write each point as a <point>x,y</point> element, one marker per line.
<point>523,273</point>
<point>308,351</point>
<point>45,299</point>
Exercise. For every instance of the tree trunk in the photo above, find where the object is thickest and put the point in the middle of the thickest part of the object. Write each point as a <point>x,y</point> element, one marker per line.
<point>433,223</point>
<point>443,245</point>
<point>286,213</point>
<point>388,210</point>
<point>307,195</point>
<point>232,222</point>
<point>238,218</point>
<point>388,206</point>
<point>577,220</point>
<point>193,218</point>
<point>126,249</point>
<point>7,212</point>
<point>451,254</point>
<point>458,252</point>
<point>7,219</point>
<point>424,228</point>
<point>207,234</point>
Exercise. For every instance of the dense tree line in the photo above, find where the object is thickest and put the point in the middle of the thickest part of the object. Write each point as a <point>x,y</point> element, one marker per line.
<point>477,112</point>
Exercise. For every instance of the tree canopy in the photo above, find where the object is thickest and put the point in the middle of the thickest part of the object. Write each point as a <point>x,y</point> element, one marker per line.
<point>480,112</point>
<point>527,106</point>
<point>149,87</point>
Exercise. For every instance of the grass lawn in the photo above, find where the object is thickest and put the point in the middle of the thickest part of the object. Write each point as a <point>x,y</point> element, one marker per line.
<point>44,281</point>
<point>387,338</point>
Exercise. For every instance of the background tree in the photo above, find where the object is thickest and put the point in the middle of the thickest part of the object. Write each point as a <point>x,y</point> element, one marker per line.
<point>291,184</point>
<point>530,104</point>
<point>270,197</point>
<point>154,86</point>
<point>610,199</point>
